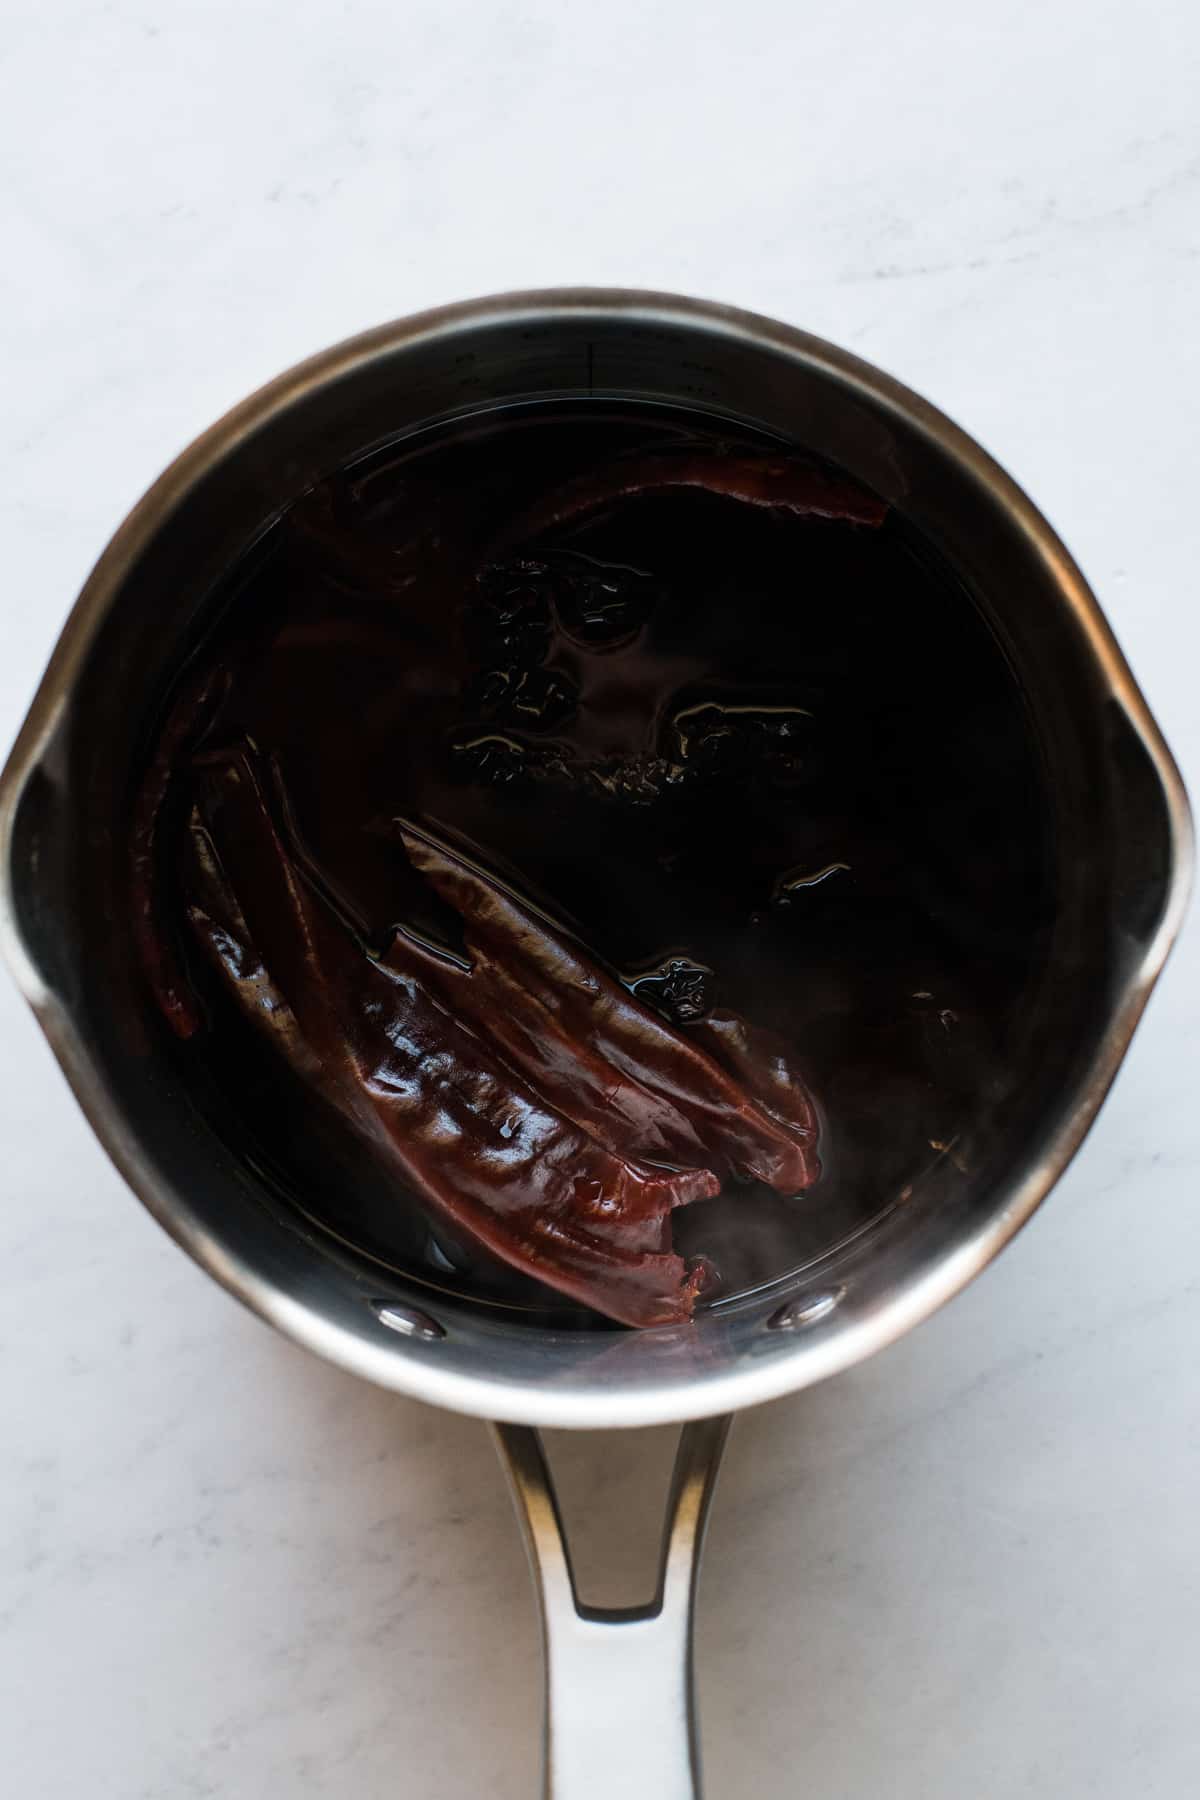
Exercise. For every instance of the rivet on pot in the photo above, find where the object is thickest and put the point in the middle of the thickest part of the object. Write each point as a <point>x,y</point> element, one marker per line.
<point>407,1320</point>
<point>807,1310</point>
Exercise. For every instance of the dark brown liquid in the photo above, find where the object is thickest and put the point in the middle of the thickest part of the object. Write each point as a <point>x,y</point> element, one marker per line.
<point>774,764</point>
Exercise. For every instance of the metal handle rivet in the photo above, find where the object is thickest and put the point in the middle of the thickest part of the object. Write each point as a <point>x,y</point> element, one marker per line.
<point>807,1310</point>
<point>407,1320</point>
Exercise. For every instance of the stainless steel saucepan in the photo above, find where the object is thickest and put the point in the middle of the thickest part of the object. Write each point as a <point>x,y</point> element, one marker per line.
<point>619,1718</point>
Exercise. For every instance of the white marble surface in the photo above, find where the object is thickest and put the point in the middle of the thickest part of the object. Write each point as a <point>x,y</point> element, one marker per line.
<point>969,1568</point>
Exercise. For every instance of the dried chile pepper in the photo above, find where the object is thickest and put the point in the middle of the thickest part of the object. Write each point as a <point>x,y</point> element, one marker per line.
<point>435,1101</point>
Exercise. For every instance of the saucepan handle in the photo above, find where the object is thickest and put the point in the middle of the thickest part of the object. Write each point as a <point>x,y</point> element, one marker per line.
<point>620,1715</point>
